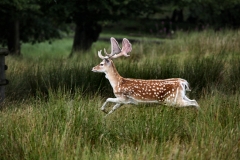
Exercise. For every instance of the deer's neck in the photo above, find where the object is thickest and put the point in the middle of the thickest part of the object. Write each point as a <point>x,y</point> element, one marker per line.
<point>113,76</point>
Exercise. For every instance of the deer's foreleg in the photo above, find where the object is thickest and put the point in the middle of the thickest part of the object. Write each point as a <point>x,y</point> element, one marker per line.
<point>113,100</point>
<point>103,107</point>
<point>116,106</point>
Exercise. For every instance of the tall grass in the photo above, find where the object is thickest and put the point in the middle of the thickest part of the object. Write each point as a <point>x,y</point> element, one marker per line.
<point>52,105</point>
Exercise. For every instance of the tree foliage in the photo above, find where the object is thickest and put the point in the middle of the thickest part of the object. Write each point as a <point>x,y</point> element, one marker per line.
<point>40,20</point>
<point>25,21</point>
<point>90,15</point>
<point>218,13</point>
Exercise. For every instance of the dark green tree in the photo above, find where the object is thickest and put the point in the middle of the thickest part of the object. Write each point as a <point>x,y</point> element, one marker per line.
<point>40,20</point>
<point>89,15</point>
<point>218,13</point>
<point>25,21</point>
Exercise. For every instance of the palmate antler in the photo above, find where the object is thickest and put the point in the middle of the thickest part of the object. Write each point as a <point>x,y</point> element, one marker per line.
<point>116,51</point>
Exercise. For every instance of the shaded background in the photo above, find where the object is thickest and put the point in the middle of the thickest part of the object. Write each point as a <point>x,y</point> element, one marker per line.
<point>45,20</point>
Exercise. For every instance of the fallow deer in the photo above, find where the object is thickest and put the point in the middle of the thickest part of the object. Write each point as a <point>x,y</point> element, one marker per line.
<point>170,92</point>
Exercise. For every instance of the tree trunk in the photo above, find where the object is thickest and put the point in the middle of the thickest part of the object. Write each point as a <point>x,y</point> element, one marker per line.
<point>13,38</point>
<point>177,15</point>
<point>3,80</point>
<point>85,35</point>
<point>180,15</point>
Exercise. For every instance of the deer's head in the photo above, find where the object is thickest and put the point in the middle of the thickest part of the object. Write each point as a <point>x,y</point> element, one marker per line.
<point>116,52</point>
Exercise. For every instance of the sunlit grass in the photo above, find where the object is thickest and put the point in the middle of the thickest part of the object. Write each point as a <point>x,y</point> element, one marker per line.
<point>57,48</point>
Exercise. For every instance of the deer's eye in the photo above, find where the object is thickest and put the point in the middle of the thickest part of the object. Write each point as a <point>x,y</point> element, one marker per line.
<point>101,64</point>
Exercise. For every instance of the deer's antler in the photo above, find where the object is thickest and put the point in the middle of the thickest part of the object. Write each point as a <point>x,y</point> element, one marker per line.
<point>116,51</point>
<point>101,56</point>
<point>126,48</point>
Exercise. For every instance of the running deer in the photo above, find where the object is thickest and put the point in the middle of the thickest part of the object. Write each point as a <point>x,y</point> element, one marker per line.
<point>170,92</point>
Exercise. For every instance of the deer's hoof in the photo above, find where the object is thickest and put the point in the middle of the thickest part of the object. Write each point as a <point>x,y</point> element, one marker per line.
<point>104,111</point>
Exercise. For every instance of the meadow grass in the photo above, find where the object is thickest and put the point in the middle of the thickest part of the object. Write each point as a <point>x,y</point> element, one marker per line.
<point>52,106</point>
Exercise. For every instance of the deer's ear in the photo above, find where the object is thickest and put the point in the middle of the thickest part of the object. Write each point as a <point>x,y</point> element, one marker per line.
<point>115,49</point>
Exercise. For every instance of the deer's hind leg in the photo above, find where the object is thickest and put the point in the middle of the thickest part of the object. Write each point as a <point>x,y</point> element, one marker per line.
<point>184,101</point>
<point>191,102</point>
